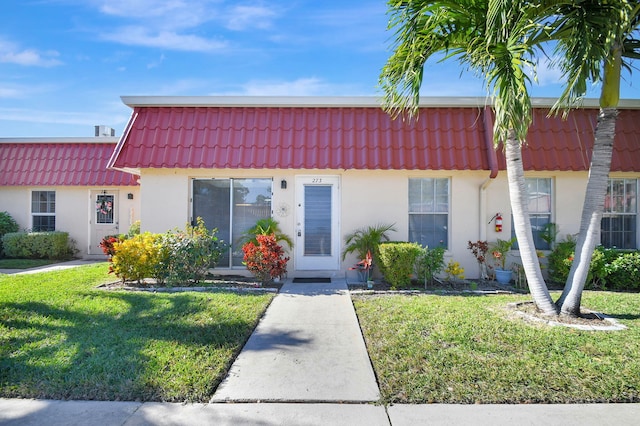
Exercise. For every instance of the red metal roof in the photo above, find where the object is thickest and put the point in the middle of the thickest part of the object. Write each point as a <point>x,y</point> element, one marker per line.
<point>566,145</point>
<point>325,137</point>
<point>302,138</point>
<point>60,163</point>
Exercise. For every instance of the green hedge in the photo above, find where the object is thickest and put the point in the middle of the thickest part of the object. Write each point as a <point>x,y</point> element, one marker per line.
<point>54,245</point>
<point>609,268</point>
<point>7,224</point>
<point>398,261</point>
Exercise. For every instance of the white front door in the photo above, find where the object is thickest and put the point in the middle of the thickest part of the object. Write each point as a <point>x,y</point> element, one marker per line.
<point>103,213</point>
<point>317,239</point>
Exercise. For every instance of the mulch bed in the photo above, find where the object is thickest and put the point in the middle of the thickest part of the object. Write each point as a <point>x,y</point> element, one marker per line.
<point>212,283</point>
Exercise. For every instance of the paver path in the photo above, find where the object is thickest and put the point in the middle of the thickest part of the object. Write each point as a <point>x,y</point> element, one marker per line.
<point>307,347</point>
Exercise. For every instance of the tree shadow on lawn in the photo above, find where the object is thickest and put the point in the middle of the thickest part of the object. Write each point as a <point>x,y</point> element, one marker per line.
<point>68,353</point>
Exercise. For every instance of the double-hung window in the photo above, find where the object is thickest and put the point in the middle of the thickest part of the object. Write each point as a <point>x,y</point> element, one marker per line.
<point>618,227</point>
<point>232,206</point>
<point>540,207</point>
<point>429,211</point>
<point>43,211</point>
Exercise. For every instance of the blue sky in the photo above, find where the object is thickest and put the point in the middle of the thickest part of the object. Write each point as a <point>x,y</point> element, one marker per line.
<point>65,63</point>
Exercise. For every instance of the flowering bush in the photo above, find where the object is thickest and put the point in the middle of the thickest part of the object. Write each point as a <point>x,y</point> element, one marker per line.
<point>265,260</point>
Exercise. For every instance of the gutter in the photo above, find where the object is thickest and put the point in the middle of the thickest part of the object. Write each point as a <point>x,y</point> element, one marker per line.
<point>116,152</point>
<point>492,159</point>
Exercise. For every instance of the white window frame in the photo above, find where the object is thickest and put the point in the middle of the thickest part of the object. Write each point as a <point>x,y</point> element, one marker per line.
<point>609,212</point>
<point>549,213</point>
<point>433,211</point>
<point>35,214</point>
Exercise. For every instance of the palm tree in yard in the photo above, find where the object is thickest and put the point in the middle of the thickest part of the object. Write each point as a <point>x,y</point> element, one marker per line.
<point>495,39</point>
<point>594,39</point>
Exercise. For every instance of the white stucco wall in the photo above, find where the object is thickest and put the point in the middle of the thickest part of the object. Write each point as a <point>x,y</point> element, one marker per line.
<point>74,208</point>
<point>370,197</point>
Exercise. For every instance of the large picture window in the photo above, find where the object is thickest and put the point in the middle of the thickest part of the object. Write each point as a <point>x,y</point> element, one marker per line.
<point>618,227</point>
<point>232,206</point>
<point>43,211</point>
<point>540,206</point>
<point>429,211</point>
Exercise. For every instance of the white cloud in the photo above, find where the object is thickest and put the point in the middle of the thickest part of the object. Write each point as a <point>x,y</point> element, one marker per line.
<point>307,86</point>
<point>547,74</point>
<point>140,36</point>
<point>59,117</point>
<point>247,17</point>
<point>156,63</point>
<point>12,53</point>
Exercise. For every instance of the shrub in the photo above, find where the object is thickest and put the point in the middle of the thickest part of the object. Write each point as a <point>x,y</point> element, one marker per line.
<point>190,254</point>
<point>106,244</point>
<point>429,263</point>
<point>560,260</point>
<point>53,245</point>
<point>624,271</point>
<point>134,229</point>
<point>454,271</point>
<point>397,261</point>
<point>7,225</point>
<point>137,258</point>
<point>266,259</point>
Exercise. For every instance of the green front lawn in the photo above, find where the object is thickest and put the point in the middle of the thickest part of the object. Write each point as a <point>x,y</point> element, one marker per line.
<point>62,338</point>
<point>457,349</point>
<point>24,263</point>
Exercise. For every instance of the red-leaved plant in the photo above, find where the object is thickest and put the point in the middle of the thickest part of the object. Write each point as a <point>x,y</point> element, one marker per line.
<point>107,245</point>
<point>266,259</point>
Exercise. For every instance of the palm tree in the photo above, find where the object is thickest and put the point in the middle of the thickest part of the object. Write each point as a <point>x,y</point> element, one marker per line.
<point>593,38</point>
<point>496,40</point>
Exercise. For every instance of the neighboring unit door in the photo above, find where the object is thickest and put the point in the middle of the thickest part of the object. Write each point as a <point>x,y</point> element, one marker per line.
<point>317,239</point>
<point>103,213</point>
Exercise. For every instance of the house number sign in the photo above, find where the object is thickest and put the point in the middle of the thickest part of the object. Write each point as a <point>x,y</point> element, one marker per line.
<point>316,180</point>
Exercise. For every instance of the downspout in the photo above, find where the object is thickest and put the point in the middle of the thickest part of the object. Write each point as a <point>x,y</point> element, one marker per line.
<point>492,160</point>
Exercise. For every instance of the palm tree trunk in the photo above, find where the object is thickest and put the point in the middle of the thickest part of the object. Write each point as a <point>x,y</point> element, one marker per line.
<point>522,225</point>
<point>570,300</point>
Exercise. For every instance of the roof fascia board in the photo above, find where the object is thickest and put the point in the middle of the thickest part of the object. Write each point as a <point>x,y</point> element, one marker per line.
<point>336,101</point>
<point>97,139</point>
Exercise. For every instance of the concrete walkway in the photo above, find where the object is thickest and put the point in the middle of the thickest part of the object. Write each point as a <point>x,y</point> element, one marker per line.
<point>306,364</point>
<point>307,347</point>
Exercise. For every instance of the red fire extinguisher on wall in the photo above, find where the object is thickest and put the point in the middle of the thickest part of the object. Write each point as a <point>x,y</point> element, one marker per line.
<point>499,222</point>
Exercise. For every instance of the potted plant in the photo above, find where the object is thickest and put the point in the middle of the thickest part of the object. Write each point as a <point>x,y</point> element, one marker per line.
<point>499,251</point>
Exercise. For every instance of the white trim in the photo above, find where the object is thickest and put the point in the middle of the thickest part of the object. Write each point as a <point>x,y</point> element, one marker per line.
<point>335,101</point>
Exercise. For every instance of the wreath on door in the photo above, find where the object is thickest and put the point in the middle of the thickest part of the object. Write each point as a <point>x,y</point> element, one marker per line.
<point>104,206</point>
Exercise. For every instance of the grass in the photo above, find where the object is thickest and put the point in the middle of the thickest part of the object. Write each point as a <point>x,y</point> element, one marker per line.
<point>457,349</point>
<point>24,263</point>
<point>62,338</point>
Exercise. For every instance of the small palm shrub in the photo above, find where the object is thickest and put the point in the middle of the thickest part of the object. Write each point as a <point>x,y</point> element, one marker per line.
<point>367,240</point>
